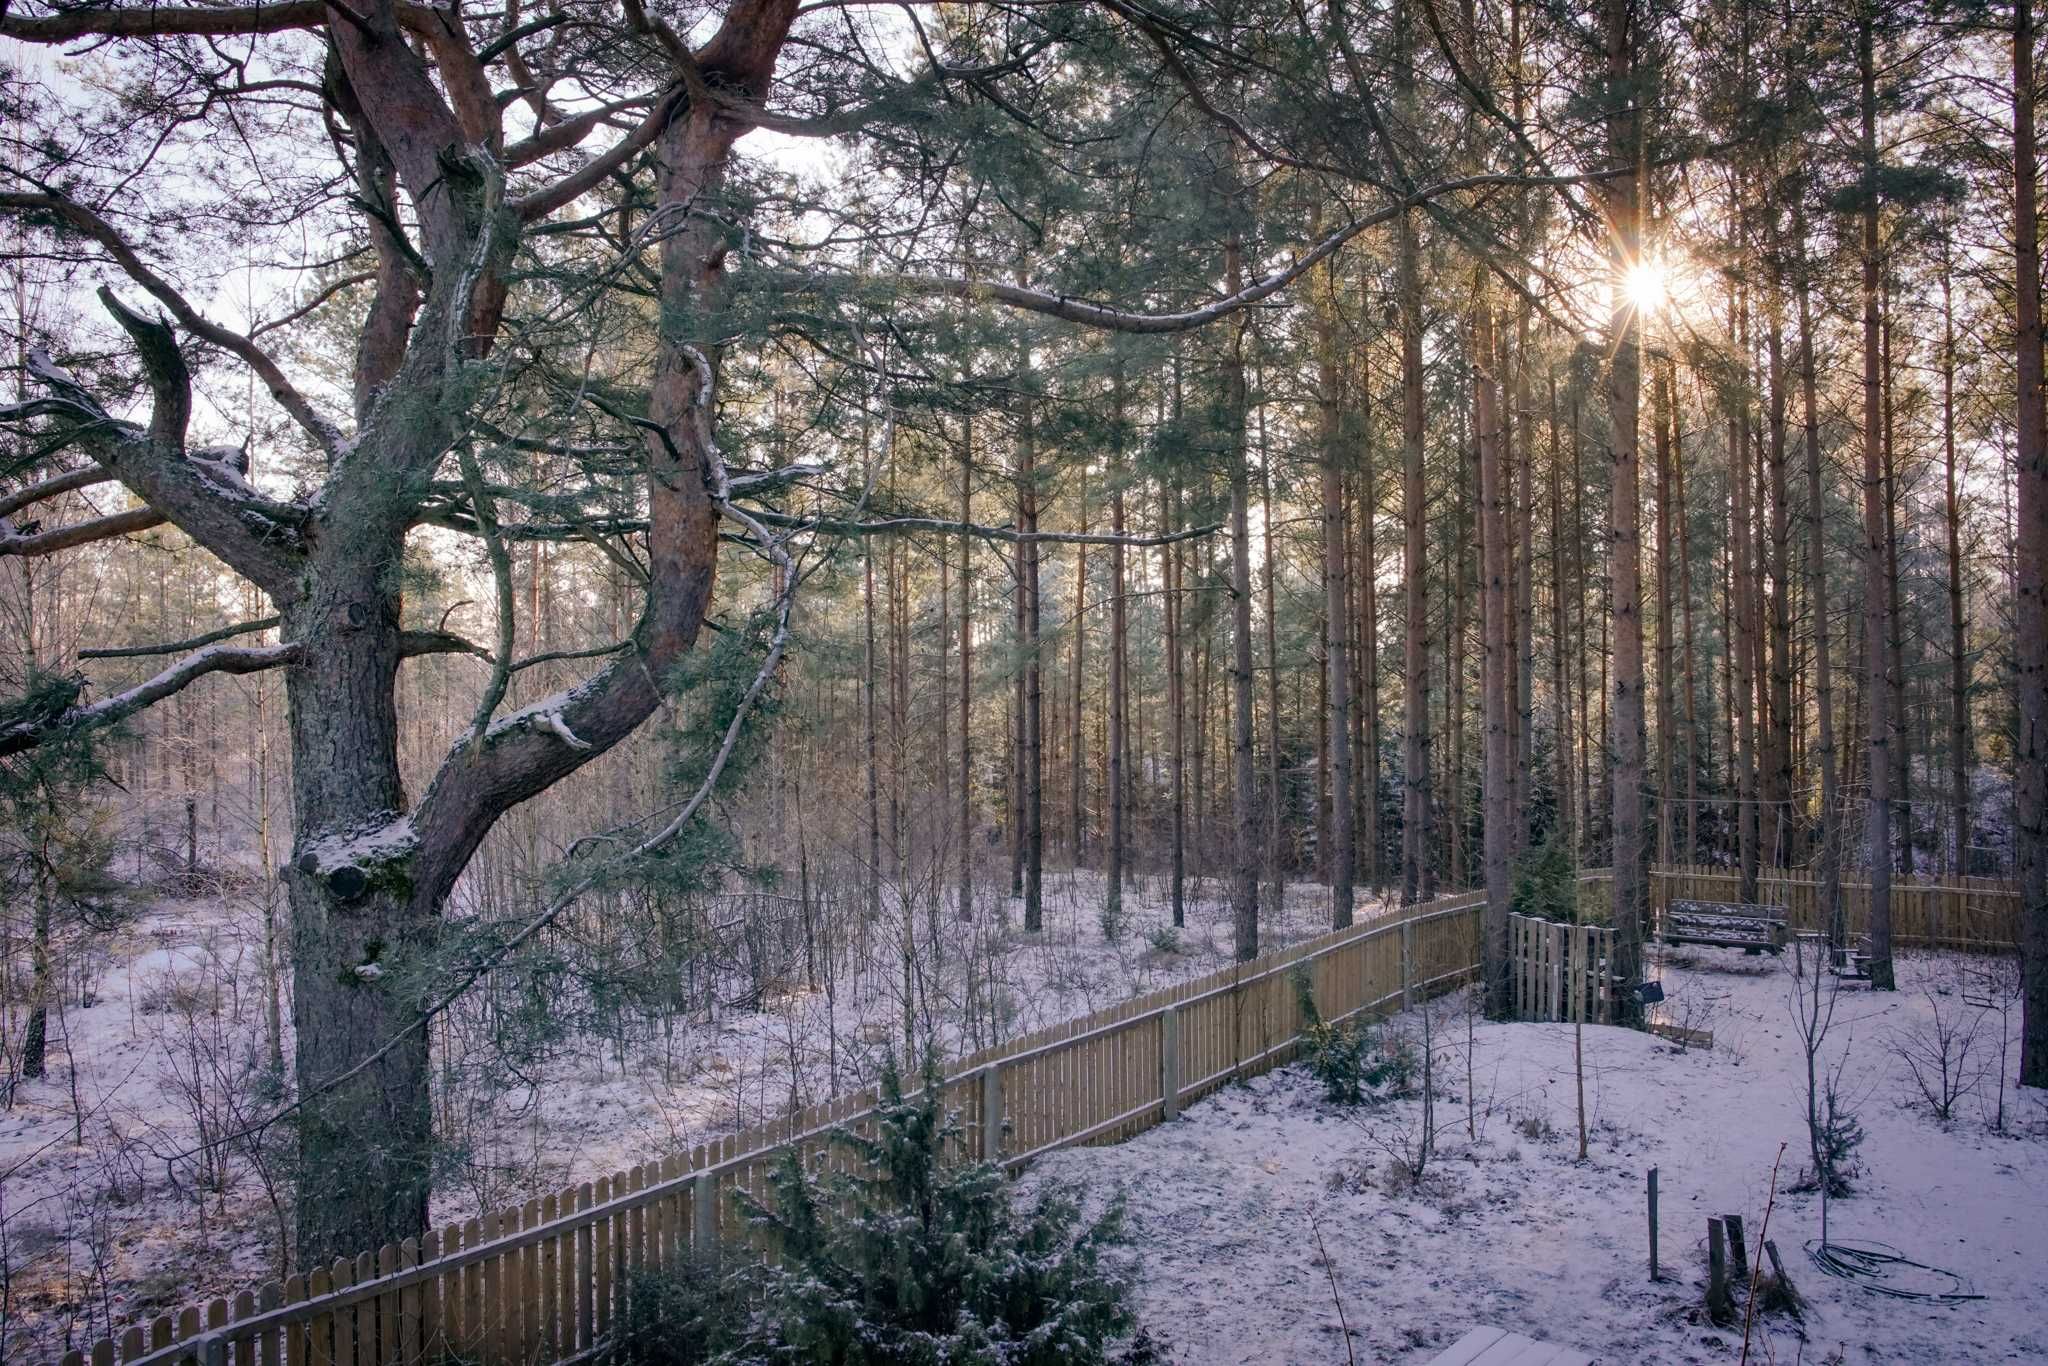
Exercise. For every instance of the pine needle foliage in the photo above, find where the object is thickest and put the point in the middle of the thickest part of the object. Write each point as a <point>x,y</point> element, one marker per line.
<point>913,1255</point>
<point>1342,1056</point>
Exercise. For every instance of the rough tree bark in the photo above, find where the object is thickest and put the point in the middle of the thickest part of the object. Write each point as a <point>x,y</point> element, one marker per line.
<point>2031,649</point>
<point>1830,852</point>
<point>1418,872</point>
<point>1336,609</point>
<point>967,832</point>
<point>1032,756</point>
<point>1244,781</point>
<point>1119,627</point>
<point>1631,853</point>
<point>1498,831</point>
<point>1958,640</point>
<point>1877,625</point>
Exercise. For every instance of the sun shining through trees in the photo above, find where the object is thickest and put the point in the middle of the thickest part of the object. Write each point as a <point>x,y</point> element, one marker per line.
<point>1648,287</point>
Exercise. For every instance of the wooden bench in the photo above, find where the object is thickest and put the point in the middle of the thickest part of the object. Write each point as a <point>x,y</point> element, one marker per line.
<point>1725,924</point>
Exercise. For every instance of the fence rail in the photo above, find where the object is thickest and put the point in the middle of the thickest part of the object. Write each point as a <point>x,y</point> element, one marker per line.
<point>544,1282</point>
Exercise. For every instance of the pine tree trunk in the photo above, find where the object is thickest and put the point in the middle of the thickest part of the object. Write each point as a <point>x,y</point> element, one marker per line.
<point>1176,701</point>
<point>1821,608</point>
<point>1336,615</point>
<point>1624,383</point>
<point>1034,686</point>
<point>1418,875</point>
<point>2030,761</point>
<point>1276,872</point>
<point>1667,737</point>
<point>1689,853</point>
<point>365,1144</point>
<point>1742,697</point>
<point>1876,594</point>
<point>1454,655</point>
<point>1895,625</point>
<point>870,733</point>
<point>967,830</point>
<point>1015,735</point>
<point>1958,645</point>
<point>1498,837</point>
<point>1560,638</point>
<point>1077,767</point>
<point>1366,697</point>
<point>35,1037</point>
<point>1114,792</point>
<point>1777,809</point>
<point>1244,806</point>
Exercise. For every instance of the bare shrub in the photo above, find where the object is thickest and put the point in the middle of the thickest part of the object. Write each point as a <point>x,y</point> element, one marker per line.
<point>1939,1054</point>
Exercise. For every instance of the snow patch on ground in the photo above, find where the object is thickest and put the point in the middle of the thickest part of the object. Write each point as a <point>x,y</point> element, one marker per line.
<point>1233,1206</point>
<point>103,1219</point>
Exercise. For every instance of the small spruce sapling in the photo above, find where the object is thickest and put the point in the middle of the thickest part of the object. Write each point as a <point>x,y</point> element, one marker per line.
<point>1546,882</point>
<point>1336,1054</point>
<point>914,1255</point>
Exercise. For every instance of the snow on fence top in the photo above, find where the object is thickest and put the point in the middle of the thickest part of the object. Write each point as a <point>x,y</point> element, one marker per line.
<point>543,1283</point>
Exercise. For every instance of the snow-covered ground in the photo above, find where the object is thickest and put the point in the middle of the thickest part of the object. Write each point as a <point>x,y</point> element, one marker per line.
<point>105,1219</point>
<point>1268,1220</point>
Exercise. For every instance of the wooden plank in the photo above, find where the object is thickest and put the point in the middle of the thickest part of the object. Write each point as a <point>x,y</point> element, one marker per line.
<point>1465,1351</point>
<point>366,1311</point>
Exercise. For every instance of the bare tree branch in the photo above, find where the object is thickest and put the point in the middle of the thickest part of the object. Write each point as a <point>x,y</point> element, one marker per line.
<point>27,734</point>
<point>317,426</point>
<point>85,476</point>
<point>240,628</point>
<point>31,545</point>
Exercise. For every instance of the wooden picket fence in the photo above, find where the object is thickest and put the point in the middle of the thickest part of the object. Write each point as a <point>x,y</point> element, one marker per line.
<point>546,1282</point>
<point>1975,914</point>
<point>1560,971</point>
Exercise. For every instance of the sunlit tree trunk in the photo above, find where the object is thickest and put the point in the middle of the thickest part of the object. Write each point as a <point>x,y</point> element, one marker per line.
<point>1336,610</point>
<point>1418,872</point>
<point>1820,606</point>
<point>1777,785</point>
<point>1876,589</point>
<point>1631,853</point>
<point>1958,645</point>
<point>967,831</point>
<point>1113,796</point>
<point>1276,873</point>
<point>1244,806</point>
<point>1498,834</point>
<point>2030,760</point>
<point>1667,737</point>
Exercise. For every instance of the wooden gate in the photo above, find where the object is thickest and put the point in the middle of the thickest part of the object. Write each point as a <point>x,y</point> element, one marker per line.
<point>1560,971</point>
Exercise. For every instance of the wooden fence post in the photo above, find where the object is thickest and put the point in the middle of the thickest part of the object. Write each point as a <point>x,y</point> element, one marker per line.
<point>704,1213</point>
<point>1720,1303</point>
<point>992,1112</point>
<point>1738,1247</point>
<point>1408,963</point>
<point>1653,1223</point>
<point>1169,1062</point>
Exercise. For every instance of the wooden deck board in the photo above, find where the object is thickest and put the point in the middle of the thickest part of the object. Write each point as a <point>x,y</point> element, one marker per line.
<point>1486,1346</point>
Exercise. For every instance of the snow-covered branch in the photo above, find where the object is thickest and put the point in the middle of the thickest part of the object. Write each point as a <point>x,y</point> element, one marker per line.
<point>233,659</point>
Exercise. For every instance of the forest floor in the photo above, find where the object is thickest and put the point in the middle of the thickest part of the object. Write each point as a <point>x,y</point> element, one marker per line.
<point>107,1216</point>
<point>1269,1221</point>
